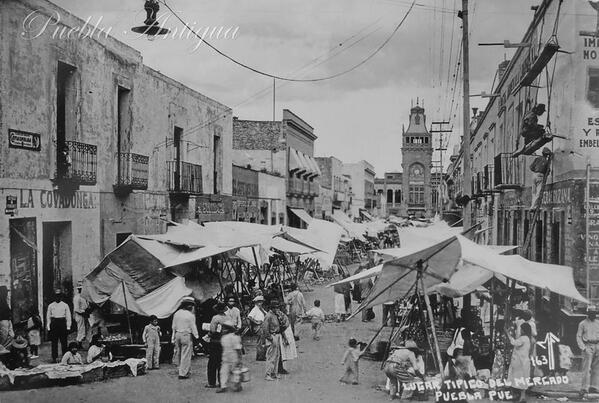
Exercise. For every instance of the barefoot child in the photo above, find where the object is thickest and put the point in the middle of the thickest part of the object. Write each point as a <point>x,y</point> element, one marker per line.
<point>350,362</point>
<point>316,316</point>
<point>34,327</point>
<point>151,337</point>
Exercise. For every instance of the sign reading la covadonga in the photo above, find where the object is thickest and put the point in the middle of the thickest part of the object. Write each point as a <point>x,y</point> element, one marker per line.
<point>24,140</point>
<point>30,198</point>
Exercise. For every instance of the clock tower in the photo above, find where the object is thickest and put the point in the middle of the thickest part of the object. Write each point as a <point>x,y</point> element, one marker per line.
<point>417,153</point>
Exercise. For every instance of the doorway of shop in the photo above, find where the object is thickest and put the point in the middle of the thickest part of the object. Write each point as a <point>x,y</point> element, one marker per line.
<point>23,268</point>
<point>57,272</point>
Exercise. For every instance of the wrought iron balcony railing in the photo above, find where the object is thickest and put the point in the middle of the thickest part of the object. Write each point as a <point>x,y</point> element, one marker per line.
<point>77,164</point>
<point>184,177</point>
<point>508,172</point>
<point>488,178</point>
<point>133,171</point>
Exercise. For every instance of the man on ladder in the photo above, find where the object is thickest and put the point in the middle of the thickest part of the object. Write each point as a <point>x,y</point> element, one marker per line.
<point>535,135</point>
<point>540,167</point>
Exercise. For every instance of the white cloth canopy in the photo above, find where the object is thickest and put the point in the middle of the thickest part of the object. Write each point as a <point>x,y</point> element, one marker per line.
<point>457,253</point>
<point>373,271</point>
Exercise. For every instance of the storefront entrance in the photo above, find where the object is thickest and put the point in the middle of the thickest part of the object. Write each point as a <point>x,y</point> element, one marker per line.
<point>57,269</point>
<point>23,267</point>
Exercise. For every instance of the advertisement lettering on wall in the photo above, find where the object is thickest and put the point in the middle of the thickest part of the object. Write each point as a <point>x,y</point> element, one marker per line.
<point>51,199</point>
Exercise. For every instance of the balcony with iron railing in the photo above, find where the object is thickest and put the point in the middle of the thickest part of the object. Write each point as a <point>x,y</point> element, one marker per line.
<point>132,172</point>
<point>508,172</point>
<point>488,178</point>
<point>77,164</point>
<point>184,178</point>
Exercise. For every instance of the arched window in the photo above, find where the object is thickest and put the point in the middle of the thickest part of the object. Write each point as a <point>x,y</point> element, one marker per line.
<point>389,196</point>
<point>398,196</point>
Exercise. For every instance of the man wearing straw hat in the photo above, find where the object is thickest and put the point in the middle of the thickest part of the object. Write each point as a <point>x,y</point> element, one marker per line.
<point>587,338</point>
<point>184,327</point>
<point>80,306</point>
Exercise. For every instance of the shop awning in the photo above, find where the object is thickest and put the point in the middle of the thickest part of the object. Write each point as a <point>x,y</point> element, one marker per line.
<point>302,214</point>
<point>295,164</point>
<point>305,164</point>
<point>313,165</point>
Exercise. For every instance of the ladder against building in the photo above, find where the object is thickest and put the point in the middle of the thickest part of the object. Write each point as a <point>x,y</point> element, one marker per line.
<point>537,207</point>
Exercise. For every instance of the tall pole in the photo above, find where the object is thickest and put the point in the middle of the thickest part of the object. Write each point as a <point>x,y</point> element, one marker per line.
<point>467,176</point>
<point>588,210</point>
<point>274,93</point>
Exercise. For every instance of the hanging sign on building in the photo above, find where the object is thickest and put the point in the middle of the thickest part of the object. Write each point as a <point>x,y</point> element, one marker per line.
<point>11,205</point>
<point>24,140</point>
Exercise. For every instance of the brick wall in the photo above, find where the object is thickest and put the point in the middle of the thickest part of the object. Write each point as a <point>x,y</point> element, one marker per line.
<point>257,135</point>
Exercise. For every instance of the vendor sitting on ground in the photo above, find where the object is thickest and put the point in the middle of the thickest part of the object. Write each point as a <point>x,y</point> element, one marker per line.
<point>18,357</point>
<point>402,367</point>
<point>98,351</point>
<point>72,357</point>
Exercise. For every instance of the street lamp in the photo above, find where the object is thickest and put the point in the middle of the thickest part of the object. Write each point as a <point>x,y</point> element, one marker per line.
<point>151,27</point>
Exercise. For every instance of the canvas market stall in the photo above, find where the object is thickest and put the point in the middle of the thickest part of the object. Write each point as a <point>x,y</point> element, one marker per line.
<point>440,264</point>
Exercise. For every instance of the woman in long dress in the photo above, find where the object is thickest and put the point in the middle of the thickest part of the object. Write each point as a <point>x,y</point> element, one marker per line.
<point>519,369</point>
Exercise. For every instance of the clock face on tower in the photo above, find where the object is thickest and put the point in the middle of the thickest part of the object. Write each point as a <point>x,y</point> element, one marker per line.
<point>416,170</point>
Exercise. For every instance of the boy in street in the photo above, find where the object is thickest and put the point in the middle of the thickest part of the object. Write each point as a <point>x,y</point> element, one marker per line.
<point>231,359</point>
<point>151,338</point>
<point>350,362</point>
<point>316,316</point>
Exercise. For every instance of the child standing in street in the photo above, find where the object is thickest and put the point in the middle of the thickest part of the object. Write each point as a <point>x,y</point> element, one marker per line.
<point>316,316</point>
<point>34,328</point>
<point>350,362</point>
<point>151,338</point>
<point>231,357</point>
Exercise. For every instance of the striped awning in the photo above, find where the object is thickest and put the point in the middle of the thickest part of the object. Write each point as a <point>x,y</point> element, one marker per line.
<point>295,164</point>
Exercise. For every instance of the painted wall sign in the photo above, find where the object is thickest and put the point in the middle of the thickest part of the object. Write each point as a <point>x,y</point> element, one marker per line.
<point>30,198</point>
<point>210,208</point>
<point>24,140</point>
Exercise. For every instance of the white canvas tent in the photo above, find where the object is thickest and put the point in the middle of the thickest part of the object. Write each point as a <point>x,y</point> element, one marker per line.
<point>457,253</point>
<point>135,275</point>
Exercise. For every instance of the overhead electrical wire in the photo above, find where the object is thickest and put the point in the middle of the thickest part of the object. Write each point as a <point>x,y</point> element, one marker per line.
<point>329,54</point>
<point>275,76</point>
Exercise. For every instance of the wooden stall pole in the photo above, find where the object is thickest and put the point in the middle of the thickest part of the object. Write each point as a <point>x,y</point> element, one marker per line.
<point>432,319</point>
<point>260,281</point>
<point>127,312</point>
<point>492,313</point>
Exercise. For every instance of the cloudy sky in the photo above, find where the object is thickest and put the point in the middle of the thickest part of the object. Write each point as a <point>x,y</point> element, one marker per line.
<point>356,116</point>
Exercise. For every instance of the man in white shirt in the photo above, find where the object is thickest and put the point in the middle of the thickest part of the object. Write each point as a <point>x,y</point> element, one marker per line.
<point>184,327</point>
<point>80,306</point>
<point>233,313</point>
<point>58,324</point>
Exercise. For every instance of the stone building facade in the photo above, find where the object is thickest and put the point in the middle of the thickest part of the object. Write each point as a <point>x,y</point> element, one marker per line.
<point>334,187</point>
<point>283,147</point>
<point>417,153</point>
<point>361,176</point>
<point>564,231</point>
<point>95,146</point>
